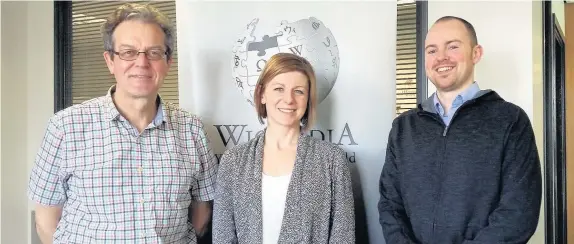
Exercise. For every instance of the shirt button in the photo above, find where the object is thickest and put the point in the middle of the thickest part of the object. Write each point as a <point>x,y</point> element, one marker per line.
<point>142,201</point>
<point>140,169</point>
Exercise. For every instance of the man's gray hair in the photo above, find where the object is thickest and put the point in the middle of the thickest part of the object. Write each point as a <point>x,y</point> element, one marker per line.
<point>144,13</point>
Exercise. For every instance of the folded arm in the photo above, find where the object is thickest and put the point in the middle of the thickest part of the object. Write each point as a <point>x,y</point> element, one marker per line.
<point>392,215</point>
<point>223,216</point>
<point>47,185</point>
<point>203,188</point>
<point>201,214</point>
<point>343,209</point>
<point>47,219</point>
<point>515,218</point>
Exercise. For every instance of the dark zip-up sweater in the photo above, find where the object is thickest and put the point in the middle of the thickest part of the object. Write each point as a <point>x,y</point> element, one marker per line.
<point>476,181</point>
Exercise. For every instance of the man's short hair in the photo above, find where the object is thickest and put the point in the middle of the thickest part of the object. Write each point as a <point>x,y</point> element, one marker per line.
<point>283,63</point>
<point>141,12</point>
<point>467,25</point>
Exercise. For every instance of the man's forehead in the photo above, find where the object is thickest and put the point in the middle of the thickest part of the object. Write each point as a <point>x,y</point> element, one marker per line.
<point>441,33</point>
<point>128,42</point>
<point>136,38</point>
<point>138,28</point>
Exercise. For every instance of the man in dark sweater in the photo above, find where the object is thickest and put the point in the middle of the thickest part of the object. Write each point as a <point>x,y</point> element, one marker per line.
<point>462,167</point>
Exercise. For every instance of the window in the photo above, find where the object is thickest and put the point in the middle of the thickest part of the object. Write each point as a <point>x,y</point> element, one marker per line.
<point>406,68</point>
<point>406,87</point>
<point>89,74</point>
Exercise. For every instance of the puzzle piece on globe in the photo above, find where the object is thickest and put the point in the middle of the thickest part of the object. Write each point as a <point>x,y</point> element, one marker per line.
<point>261,47</point>
<point>259,53</point>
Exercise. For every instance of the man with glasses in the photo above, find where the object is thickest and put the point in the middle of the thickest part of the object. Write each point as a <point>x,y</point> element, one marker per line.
<point>126,167</point>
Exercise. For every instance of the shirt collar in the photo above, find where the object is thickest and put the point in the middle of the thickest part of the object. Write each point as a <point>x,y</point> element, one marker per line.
<point>112,113</point>
<point>461,98</point>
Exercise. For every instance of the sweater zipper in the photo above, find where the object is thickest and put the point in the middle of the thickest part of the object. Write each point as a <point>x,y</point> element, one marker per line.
<point>446,127</point>
<point>441,175</point>
<point>441,178</point>
<point>439,193</point>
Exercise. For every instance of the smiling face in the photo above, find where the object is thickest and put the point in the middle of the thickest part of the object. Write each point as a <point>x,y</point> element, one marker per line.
<point>450,56</point>
<point>285,98</point>
<point>142,77</point>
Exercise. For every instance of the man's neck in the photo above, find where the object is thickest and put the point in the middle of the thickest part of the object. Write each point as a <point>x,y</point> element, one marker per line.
<point>140,112</point>
<point>446,98</point>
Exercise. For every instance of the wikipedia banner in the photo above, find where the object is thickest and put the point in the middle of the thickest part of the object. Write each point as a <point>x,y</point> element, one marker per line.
<point>222,47</point>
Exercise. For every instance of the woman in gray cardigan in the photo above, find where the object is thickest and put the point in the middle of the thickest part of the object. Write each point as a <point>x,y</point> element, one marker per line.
<point>284,186</point>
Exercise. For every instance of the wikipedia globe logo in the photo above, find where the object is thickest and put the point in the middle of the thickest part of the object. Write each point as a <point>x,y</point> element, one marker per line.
<point>308,38</point>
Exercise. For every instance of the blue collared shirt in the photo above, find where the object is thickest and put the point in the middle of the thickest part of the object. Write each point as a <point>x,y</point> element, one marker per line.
<point>460,99</point>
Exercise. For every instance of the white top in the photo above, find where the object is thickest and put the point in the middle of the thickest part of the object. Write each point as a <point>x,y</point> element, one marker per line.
<point>274,194</point>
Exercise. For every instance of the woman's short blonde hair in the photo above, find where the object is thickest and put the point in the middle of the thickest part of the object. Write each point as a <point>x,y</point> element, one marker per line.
<point>283,63</point>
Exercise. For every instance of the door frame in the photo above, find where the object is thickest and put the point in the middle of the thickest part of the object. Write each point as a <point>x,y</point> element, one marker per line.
<point>555,171</point>
<point>422,29</point>
<point>569,18</point>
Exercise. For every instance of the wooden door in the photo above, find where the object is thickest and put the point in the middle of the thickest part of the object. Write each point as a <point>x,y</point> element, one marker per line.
<point>569,33</point>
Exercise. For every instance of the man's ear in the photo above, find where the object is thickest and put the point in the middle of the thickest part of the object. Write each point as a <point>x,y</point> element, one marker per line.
<point>477,52</point>
<point>169,62</point>
<point>109,61</point>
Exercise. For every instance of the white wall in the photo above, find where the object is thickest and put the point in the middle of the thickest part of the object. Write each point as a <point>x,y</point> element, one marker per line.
<point>27,102</point>
<point>40,73</point>
<point>13,141</point>
<point>558,9</point>
<point>40,90</point>
<point>511,64</point>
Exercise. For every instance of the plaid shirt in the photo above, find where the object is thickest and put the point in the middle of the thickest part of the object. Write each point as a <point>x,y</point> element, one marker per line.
<point>119,186</point>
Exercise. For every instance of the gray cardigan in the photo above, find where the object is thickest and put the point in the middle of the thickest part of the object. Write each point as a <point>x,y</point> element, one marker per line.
<point>319,206</point>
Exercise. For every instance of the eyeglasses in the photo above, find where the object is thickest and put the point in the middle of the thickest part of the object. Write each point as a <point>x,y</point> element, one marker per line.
<point>131,55</point>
